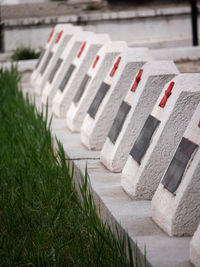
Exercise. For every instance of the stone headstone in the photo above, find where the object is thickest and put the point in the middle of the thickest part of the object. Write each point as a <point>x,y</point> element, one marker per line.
<point>64,96</point>
<point>176,203</point>
<point>111,92</point>
<point>141,97</point>
<point>63,38</point>
<point>64,73</point>
<point>97,72</point>
<point>45,52</point>
<point>140,178</point>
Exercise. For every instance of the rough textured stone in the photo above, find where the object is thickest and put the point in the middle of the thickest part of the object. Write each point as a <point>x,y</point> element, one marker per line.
<point>62,101</point>
<point>48,48</point>
<point>141,181</point>
<point>94,131</point>
<point>107,55</point>
<point>68,56</point>
<point>57,49</point>
<point>179,213</point>
<point>154,77</point>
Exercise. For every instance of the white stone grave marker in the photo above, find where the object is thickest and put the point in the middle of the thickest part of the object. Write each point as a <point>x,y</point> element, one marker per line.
<point>44,53</point>
<point>66,68</point>
<point>161,133</point>
<point>176,203</point>
<point>134,109</point>
<point>53,57</point>
<point>105,104</point>
<point>91,82</point>
<point>81,64</point>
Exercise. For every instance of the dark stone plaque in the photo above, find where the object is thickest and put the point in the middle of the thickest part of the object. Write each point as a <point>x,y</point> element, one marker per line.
<point>46,62</point>
<point>177,167</point>
<point>143,141</point>
<point>40,58</point>
<point>66,77</point>
<point>103,89</point>
<point>54,70</point>
<point>81,89</point>
<point>119,121</point>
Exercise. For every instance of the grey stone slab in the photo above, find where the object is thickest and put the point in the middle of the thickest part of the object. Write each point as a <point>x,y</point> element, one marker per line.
<point>71,143</point>
<point>143,141</point>
<point>176,169</point>
<point>50,55</point>
<point>67,77</point>
<point>119,121</point>
<point>103,89</point>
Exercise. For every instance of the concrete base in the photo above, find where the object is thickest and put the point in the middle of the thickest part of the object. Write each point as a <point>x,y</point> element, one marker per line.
<point>195,248</point>
<point>117,208</point>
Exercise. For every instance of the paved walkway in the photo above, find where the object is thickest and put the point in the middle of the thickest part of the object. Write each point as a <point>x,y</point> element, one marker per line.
<point>60,8</point>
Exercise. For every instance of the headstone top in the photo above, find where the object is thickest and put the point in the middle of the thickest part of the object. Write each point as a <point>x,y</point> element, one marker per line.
<point>79,38</point>
<point>182,83</point>
<point>151,68</point>
<point>65,32</point>
<point>108,48</point>
<point>129,55</point>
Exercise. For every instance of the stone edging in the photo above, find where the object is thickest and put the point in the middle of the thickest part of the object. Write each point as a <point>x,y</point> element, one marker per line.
<point>185,10</point>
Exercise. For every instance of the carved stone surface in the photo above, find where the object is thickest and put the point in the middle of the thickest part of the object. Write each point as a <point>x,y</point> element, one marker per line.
<point>81,89</point>
<point>55,69</point>
<point>98,99</point>
<point>46,62</point>
<point>119,121</point>
<point>142,143</point>
<point>40,58</point>
<point>67,77</point>
<point>177,167</point>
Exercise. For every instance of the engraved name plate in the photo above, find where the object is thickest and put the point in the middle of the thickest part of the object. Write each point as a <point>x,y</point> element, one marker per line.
<point>81,89</point>
<point>67,77</point>
<point>103,89</point>
<point>40,58</point>
<point>46,62</point>
<point>177,167</point>
<point>143,141</point>
<point>54,70</point>
<point>119,121</point>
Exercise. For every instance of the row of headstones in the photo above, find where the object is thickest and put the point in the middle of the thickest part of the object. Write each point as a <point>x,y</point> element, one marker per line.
<point>142,114</point>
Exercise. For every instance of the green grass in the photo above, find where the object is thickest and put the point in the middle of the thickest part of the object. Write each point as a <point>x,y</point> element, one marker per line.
<point>24,53</point>
<point>42,220</point>
<point>91,8</point>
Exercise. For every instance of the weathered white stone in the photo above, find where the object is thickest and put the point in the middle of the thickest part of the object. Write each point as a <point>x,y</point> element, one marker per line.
<point>195,248</point>
<point>154,77</point>
<point>62,100</point>
<point>141,180</point>
<point>178,213</point>
<point>48,48</point>
<point>69,54</point>
<point>77,111</point>
<point>95,130</point>
<point>57,49</point>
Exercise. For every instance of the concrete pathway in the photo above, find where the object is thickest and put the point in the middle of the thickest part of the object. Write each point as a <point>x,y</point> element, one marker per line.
<point>60,8</point>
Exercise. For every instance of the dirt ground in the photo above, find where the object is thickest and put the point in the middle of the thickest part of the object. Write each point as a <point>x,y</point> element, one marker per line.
<point>186,66</point>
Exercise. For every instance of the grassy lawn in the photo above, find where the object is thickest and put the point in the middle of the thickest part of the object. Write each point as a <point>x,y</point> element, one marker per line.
<point>42,221</point>
<point>25,53</point>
